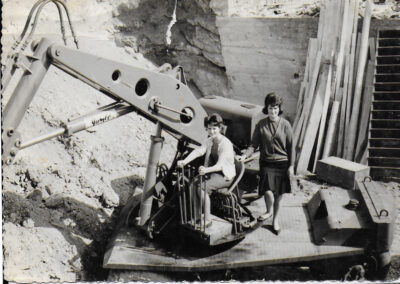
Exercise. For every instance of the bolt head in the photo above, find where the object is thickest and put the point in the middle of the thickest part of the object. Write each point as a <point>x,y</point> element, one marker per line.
<point>10,132</point>
<point>57,52</point>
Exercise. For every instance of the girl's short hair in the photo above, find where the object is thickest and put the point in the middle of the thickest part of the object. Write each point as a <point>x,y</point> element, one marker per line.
<point>272,99</point>
<point>213,120</point>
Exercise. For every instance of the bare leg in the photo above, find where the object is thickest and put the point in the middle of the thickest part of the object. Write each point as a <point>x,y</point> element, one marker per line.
<point>269,203</point>
<point>275,222</point>
<point>207,209</point>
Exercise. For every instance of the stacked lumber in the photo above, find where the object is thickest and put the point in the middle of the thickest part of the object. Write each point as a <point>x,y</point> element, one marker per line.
<point>330,119</point>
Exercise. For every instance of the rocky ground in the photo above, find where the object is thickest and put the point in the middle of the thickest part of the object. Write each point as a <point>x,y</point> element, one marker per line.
<point>61,198</point>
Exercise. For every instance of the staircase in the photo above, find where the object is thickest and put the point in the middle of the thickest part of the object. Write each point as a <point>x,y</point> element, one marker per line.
<point>384,133</point>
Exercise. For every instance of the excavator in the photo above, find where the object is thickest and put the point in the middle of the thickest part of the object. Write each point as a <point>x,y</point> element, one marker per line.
<point>161,228</point>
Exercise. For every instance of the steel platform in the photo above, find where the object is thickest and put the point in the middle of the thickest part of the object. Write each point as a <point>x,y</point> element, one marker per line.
<point>131,249</point>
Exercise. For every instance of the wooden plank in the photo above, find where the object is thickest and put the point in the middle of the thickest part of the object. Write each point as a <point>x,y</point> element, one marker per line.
<point>339,149</point>
<point>321,20</point>
<point>312,50</point>
<point>300,103</point>
<point>359,81</point>
<point>358,41</point>
<point>343,99</point>
<point>344,114</point>
<point>299,133</point>
<point>372,49</point>
<point>350,91</point>
<point>364,157</point>
<point>331,130</point>
<point>357,55</point>
<point>340,57</point>
<point>349,88</point>
<point>315,118</point>
<point>324,114</point>
<point>331,24</point>
<point>362,137</point>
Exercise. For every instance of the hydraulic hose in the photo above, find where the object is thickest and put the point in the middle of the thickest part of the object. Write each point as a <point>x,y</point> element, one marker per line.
<point>9,66</point>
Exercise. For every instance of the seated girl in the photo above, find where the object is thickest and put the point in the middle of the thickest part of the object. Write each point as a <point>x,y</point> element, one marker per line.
<point>219,169</point>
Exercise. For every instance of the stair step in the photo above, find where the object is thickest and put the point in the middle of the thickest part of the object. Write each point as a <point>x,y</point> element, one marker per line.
<point>385,123</point>
<point>388,59</point>
<point>383,152</point>
<point>389,41</point>
<point>387,86</point>
<point>384,162</point>
<point>389,50</point>
<point>385,173</point>
<point>389,33</point>
<point>388,68</point>
<point>384,142</point>
<point>385,133</point>
<point>386,96</point>
<point>387,77</point>
<point>386,114</point>
<point>386,105</point>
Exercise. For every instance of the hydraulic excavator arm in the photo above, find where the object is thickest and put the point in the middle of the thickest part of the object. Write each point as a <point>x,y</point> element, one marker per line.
<point>162,97</point>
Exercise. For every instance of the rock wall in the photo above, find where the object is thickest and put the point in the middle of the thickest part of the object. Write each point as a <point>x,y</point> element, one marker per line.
<point>194,39</point>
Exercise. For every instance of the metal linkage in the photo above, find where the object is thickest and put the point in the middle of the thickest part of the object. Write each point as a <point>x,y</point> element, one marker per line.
<point>201,202</point>
<point>195,203</point>
<point>13,59</point>
<point>180,182</point>
<point>99,116</point>
<point>183,191</point>
<point>191,195</point>
<point>203,196</point>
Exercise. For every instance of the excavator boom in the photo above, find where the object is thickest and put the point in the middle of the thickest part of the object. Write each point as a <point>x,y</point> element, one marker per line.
<point>162,97</point>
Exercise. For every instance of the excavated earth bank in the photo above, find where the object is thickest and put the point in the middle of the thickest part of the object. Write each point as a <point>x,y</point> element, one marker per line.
<point>61,198</point>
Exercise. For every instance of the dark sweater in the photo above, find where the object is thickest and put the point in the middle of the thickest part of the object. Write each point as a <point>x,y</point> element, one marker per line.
<point>275,140</point>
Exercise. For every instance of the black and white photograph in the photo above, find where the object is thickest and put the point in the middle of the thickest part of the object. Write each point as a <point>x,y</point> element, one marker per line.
<point>200,140</point>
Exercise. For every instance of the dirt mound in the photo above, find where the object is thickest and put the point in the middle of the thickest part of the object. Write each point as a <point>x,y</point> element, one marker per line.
<point>61,197</point>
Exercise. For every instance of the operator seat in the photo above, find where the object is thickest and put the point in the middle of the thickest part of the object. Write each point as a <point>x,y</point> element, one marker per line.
<point>239,166</point>
<point>226,201</point>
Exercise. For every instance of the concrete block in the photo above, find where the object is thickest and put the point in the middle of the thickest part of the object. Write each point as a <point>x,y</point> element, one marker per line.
<point>341,172</point>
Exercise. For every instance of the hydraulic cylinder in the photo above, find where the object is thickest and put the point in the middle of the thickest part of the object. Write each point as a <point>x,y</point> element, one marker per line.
<point>151,175</point>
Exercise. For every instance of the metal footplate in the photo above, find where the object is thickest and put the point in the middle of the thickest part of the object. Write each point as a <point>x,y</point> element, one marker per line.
<point>382,210</point>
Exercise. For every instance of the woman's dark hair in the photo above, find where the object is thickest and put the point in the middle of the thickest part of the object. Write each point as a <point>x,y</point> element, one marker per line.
<point>213,120</point>
<point>272,99</point>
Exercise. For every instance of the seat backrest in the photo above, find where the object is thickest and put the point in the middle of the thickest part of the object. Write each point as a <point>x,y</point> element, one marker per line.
<point>239,166</point>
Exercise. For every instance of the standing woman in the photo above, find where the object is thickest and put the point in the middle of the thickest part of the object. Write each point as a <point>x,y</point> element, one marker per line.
<point>219,169</point>
<point>273,135</point>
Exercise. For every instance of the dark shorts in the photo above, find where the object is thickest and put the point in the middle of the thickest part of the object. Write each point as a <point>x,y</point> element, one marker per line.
<point>213,181</point>
<point>274,179</point>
